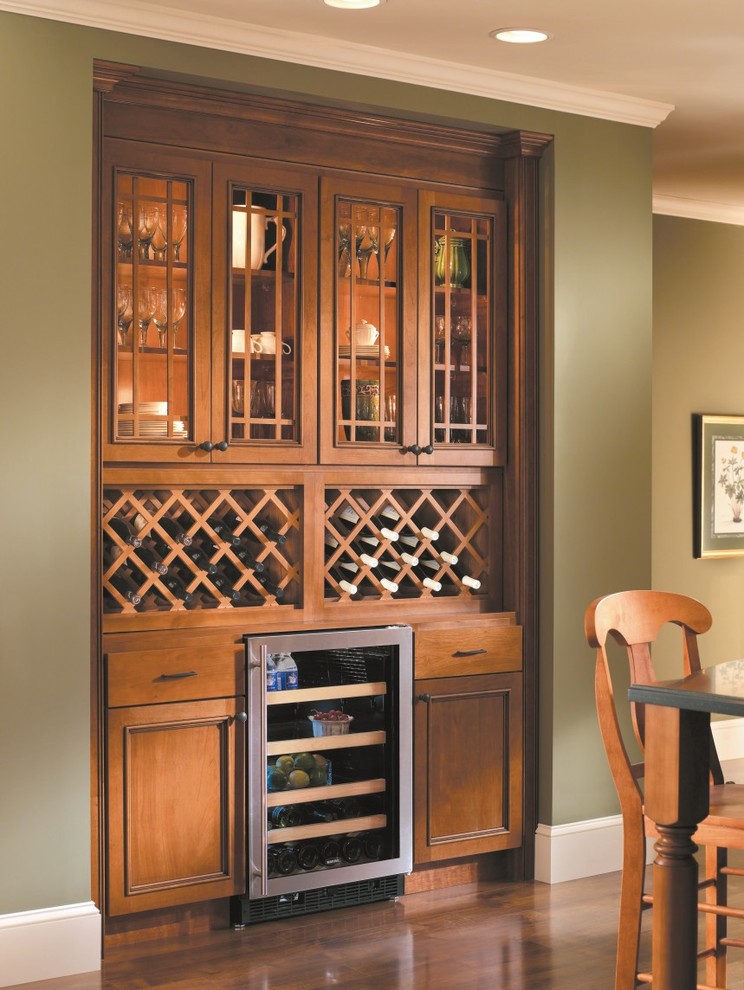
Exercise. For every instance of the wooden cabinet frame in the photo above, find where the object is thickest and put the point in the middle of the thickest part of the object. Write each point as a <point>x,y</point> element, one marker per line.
<point>493,165</point>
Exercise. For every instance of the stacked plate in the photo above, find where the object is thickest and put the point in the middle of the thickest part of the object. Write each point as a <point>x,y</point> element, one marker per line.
<point>364,351</point>
<point>148,425</point>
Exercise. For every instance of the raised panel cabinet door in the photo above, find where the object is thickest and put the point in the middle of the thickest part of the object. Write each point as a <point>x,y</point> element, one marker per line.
<point>176,828</point>
<point>468,766</point>
<point>155,319</point>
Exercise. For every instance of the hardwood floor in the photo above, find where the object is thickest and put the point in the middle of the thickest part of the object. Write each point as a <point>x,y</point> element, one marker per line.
<point>495,935</point>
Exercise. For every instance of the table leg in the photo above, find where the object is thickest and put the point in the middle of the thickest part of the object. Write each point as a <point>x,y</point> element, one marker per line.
<point>677,795</point>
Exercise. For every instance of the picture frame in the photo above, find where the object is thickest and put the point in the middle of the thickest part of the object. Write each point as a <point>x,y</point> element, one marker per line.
<point>718,444</point>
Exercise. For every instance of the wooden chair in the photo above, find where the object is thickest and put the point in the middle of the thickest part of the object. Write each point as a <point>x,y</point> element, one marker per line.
<point>634,619</point>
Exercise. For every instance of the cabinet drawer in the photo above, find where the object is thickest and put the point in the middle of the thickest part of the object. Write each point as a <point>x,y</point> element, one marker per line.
<point>452,651</point>
<point>149,677</point>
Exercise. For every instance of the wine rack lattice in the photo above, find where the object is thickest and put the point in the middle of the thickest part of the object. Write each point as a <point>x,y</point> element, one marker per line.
<point>406,543</point>
<point>200,549</point>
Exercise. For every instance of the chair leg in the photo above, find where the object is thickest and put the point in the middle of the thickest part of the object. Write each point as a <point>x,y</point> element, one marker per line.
<point>715,924</point>
<point>631,894</point>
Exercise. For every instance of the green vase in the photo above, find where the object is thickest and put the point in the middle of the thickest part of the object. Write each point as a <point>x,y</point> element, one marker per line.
<point>457,272</point>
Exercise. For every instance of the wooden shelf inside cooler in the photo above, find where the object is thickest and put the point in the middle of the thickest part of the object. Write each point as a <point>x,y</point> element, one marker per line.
<point>348,741</point>
<point>324,693</point>
<point>339,827</point>
<point>330,792</point>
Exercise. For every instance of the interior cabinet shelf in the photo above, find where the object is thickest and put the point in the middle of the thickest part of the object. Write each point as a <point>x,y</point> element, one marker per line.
<point>333,791</point>
<point>349,741</point>
<point>339,827</point>
<point>324,693</point>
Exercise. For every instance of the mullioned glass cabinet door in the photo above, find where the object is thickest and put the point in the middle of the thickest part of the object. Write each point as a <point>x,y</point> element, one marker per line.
<point>368,332</point>
<point>154,324</point>
<point>462,419</point>
<point>263,344</point>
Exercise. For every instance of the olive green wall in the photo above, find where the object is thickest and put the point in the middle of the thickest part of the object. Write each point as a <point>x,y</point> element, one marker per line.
<point>698,362</point>
<point>595,419</point>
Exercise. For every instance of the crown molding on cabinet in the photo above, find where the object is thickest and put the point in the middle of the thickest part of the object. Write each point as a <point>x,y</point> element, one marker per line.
<point>206,31</point>
<point>698,209</point>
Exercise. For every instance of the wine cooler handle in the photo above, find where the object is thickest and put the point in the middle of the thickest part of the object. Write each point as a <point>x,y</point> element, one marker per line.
<point>222,445</point>
<point>414,448</point>
<point>468,653</point>
<point>179,676</point>
<point>207,445</point>
<point>424,697</point>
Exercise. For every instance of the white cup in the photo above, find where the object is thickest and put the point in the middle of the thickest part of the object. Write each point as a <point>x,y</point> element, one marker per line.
<point>265,343</point>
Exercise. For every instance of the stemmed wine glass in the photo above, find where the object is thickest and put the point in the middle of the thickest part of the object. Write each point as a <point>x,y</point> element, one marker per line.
<point>160,315</point>
<point>124,314</point>
<point>179,224</point>
<point>124,231</point>
<point>179,308</point>
<point>147,224</point>
<point>159,239</point>
<point>344,249</point>
<point>146,303</point>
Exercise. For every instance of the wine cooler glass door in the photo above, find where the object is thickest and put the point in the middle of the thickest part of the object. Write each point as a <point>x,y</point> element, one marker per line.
<point>329,758</point>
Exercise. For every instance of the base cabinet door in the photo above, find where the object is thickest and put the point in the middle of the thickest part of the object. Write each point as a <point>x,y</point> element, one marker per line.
<point>176,829</point>
<point>467,766</point>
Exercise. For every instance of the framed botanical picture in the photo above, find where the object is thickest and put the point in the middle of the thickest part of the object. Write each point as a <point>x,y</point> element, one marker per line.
<point>719,485</point>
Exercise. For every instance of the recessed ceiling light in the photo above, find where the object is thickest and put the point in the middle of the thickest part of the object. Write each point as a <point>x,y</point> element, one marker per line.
<point>518,36</point>
<point>353,4</point>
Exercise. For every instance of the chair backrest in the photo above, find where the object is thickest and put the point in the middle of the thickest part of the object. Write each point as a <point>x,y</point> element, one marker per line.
<point>634,619</point>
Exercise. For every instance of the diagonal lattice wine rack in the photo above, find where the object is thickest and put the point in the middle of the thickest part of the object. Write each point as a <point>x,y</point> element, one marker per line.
<point>191,549</point>
<point>441,549</point>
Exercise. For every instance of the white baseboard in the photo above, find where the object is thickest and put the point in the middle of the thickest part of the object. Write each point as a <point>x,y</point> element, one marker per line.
<point>49,943</point>
<point>588,848</point>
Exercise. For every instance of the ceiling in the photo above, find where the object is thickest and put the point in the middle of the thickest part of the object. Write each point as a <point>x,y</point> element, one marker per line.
<point>674,65</point>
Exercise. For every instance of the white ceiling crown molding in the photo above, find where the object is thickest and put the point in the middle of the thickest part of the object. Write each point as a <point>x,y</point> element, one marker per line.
<point>152,20</point>
<point>698,209</point>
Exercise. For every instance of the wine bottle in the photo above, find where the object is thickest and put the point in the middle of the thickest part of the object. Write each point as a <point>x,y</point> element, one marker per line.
<point>269,532</point>
<point>384,520</point>
<point>372,845</point>
<point>306,854</point>
<point>322,813</point>
<point>199,556</point>
<point>330,852</point>
<point>469,582</point>
<point>272,858</point>
<point>268,584</point>
<point>176,588</point>
<point>248,560</point>
<point>359,547</point>
<point>425,570</point>
<point>347,807</point>
<point>350,520</point>
<point>151,559</point>
<point>286,816</point>
<point>122,529</point>
<point>286,861</point>
<point>341,571</point>
<point>175,531</point>
<point>161,548</point>
<point>388,585</point>
<point>443,555</point>
<point>351,848</point>
<point>220,581</point>
<point>122,584</point>
<point>223,531</point>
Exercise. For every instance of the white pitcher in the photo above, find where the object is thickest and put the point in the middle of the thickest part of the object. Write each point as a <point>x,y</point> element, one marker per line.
<point>259,223</point>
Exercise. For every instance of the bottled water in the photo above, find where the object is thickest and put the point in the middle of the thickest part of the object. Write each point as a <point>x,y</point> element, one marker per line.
<point>286,672</point>
<point>272,681</point>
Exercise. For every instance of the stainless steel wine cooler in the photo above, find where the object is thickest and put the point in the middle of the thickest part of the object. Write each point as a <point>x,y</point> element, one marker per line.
<point>329,769</point>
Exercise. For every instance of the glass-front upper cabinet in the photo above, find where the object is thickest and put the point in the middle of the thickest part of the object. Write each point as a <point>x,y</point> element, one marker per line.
<point>151,305</point>
<point>368,351</point>
<point>466,322</point>
<point>266,344</point>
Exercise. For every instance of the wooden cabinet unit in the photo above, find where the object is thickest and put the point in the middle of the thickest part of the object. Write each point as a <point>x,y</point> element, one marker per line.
<point>317,350</point>
<point>468,742</point>
<point>176,778</point>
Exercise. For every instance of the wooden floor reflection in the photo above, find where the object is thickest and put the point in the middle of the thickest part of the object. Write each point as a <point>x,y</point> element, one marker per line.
<point>500,936</point>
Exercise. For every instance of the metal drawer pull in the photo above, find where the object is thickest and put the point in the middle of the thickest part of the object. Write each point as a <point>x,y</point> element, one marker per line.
<point>179,676</point>
<point>468,653</point>
<point>424,697</point>
<point>241,717</point>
